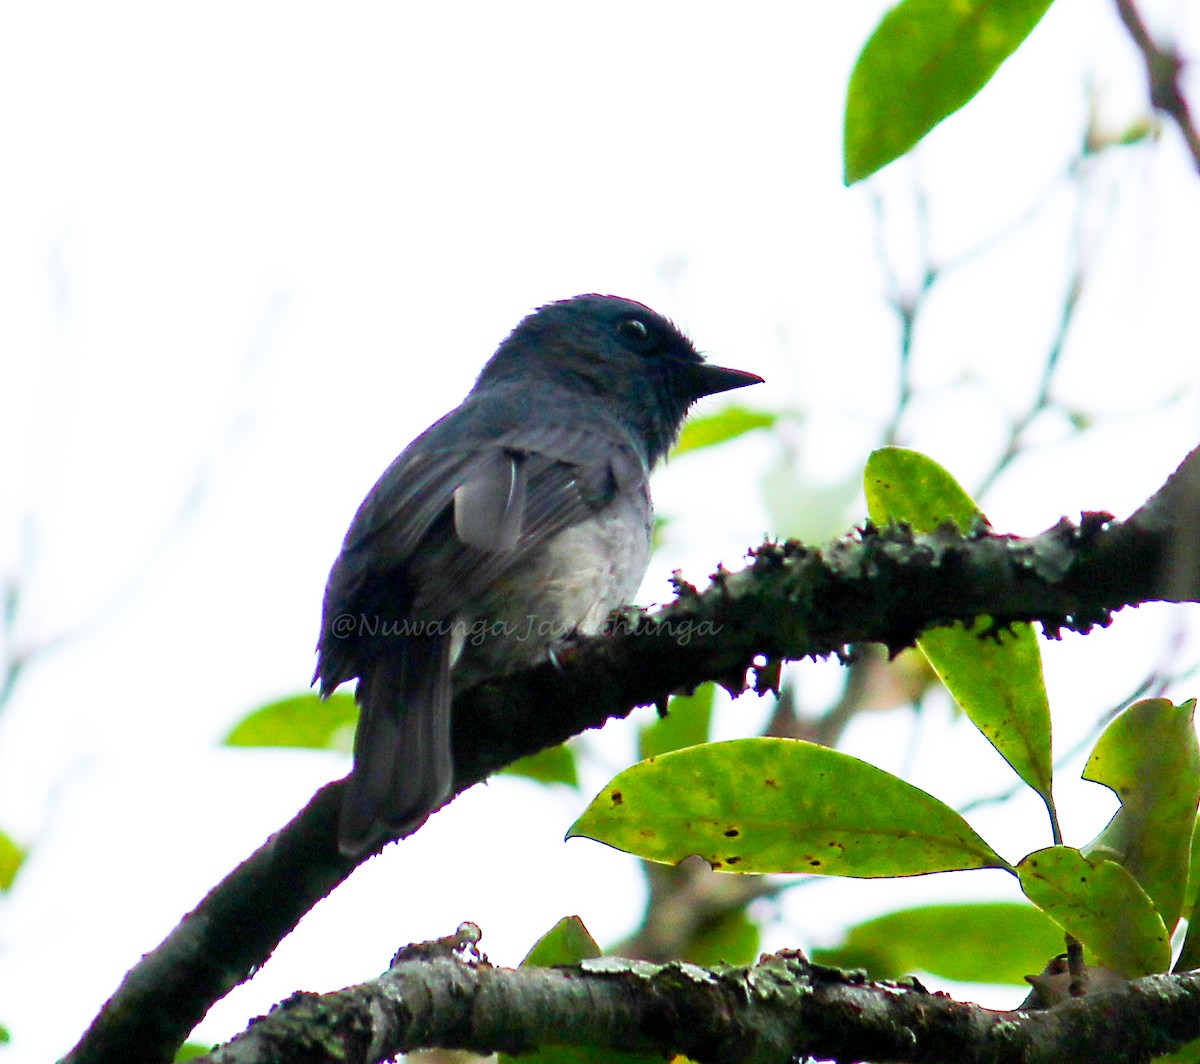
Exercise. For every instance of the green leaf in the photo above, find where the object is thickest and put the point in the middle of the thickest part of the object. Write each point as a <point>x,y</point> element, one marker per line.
<point>904,485</point>
<point>1189,953</point>
<point>658,534</point>
<point>304,720</point>
<point>11,858</point>
<point>1149,756</point>
<point>1188,1053</point>
<point>998,684</point>
<point>1193,874</point>
<point>686,723</point>
<point>1102,905</point>
<point>780,805</point>
<point>802,509</point>
<point>5,1037</point>
<point>981,942</point>
<point>925,60</point>
<point>568,942</point>
<point>732,939</point>
<point>1000,687</point>
<point>710,429</point>
<point>555,764</point>
<point>191,1050</point>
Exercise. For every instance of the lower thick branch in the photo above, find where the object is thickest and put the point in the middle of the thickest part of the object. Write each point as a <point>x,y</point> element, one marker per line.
<point>777,1010</point>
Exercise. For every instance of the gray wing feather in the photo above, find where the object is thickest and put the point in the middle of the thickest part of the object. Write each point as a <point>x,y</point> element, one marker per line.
<point>489,505</point>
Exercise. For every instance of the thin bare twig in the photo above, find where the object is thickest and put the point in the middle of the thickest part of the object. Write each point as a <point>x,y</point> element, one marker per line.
<point>907,304</point>
<point>1163,67</point>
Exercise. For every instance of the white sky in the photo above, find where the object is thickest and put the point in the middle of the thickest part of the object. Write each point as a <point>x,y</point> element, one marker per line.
<point>248,251</point>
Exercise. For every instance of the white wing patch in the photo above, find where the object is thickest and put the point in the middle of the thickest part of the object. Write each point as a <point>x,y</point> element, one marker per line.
<point>489,506</point>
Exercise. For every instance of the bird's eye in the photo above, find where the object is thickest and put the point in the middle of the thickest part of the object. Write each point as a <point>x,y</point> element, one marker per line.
<point>635,330</point>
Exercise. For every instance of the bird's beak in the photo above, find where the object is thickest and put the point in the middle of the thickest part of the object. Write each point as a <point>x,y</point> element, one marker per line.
<point>708,380</point>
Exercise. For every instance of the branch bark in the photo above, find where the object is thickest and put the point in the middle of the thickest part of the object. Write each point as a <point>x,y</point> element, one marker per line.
<point>444,994</point>
<point>879,585</point>
<point>1163,67</point>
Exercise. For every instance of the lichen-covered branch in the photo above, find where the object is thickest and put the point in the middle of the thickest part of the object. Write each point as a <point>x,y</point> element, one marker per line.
<point>879,585</point>
<point>446,995</point>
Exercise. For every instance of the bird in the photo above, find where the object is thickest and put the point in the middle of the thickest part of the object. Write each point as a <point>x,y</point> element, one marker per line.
<point>521,517</point>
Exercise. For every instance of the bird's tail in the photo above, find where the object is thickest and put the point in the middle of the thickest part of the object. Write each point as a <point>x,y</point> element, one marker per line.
<point>402,767</point>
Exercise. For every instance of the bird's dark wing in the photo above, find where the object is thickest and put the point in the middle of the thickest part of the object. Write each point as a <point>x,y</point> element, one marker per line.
<point>548,480</point>
<point>446,521</point>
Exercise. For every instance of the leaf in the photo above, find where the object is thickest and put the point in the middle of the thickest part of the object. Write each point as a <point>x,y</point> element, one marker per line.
<point>191,1050</point>
<point>659,532</point>
<point>555,764</point>
<point>998,684</point>
<point>1149,756</point>
<point>1188,1053</point>
<point>304,720</point>
<point>732,939</point>
<point>977,942</point>
<point>1102,905</point>
<point>710,429</point>
<point>1000,687</point>
<point>11,858</point>
<point>802,509</point>
<point>1193,872</point>
<point>1189,952</point>
<point>569,942</point>
<point>925,60</point>
<point>904,485</point>
<point>686,723</point>
<point>780,805</point>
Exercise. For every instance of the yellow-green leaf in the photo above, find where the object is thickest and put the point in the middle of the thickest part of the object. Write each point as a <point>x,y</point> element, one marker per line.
<point>1189,953</point>
<point>1189,1053</point>
<point>708,430</point>
<point>11,857</point>
<point>1193,874</point>
<point>733,938</point>
<point>686,723</point>
<point>781,805</point>
<point>568,942</point>
<point>555,764</point>
<point>998,684</point>
<point>1102,905</point>
<point>904,485</point>
<point>801,507</point>
<point>925,60</point>
<point>973,942</point>
<point>304,720</point>
<point>1149,756</point>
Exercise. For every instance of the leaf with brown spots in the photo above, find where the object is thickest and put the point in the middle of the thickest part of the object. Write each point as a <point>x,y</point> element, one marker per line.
<point>1102,905</point>
<point>781,805</point>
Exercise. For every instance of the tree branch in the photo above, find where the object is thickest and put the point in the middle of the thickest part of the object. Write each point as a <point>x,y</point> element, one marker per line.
<point>1163,66</point>
<point>445,995</point>
<point>880,585</point>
